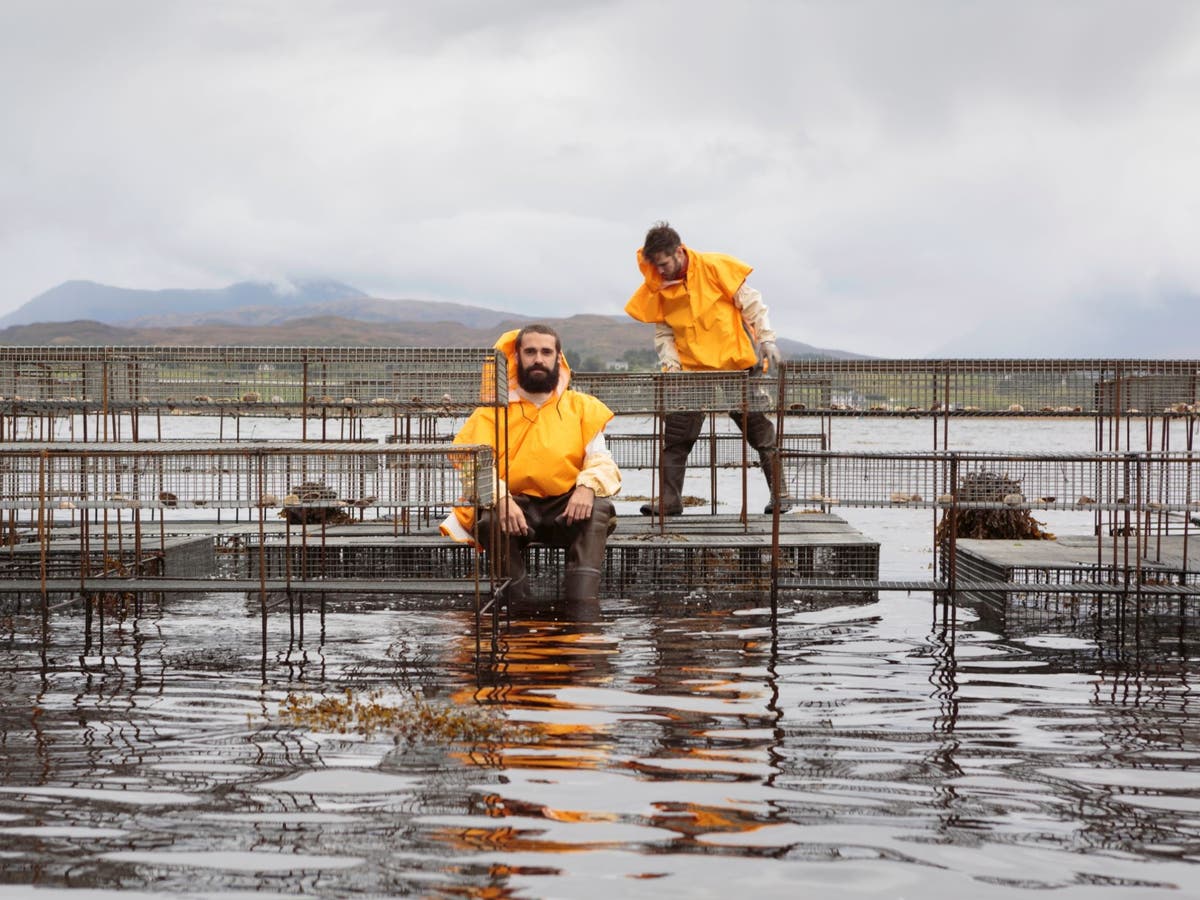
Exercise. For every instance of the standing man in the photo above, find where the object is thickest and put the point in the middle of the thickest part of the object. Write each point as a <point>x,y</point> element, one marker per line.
<point>705,319</point>
<point>555,474</point>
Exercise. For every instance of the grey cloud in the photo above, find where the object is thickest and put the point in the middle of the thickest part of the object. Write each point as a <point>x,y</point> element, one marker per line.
<point>894,172</point>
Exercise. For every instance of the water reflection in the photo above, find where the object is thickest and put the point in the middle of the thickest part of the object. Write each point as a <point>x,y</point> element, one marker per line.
<point>677,747</point>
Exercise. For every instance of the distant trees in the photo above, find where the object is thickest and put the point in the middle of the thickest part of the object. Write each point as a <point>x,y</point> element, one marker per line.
<point>642,359</point>
<point>586,360</point>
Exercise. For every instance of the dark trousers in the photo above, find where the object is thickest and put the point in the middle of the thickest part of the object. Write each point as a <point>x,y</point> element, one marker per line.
<point>584,543</point>
<point>680,430</point>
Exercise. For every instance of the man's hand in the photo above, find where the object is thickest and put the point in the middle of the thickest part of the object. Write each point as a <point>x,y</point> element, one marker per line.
<point>579,507</point>
<point>671,367</point>
<point>770,355</point>
<point>512,517</point>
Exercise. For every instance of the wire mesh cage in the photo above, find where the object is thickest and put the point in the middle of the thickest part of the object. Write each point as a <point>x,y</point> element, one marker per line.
<point>253,379</point>
<point>991,387</point>
<point>645,393</point>
<point>1139,482</point>
<point>712,564</point>
<point>721,450</point>
<point>317,513</point>
<point>256,380</point>
<point>179,475</point>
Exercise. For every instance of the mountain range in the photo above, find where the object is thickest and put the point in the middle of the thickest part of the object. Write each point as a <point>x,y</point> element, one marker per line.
<point>312,313</point>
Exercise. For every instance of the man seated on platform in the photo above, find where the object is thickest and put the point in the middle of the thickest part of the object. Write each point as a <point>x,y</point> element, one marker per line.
<point>555,473</point>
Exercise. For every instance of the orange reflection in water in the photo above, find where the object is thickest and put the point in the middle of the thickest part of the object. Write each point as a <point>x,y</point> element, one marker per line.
<point>537,660</point>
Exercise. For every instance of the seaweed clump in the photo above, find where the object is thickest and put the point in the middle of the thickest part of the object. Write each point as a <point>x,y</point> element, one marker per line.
<point>416,720</point>
<point>1012,521</point>
<point>314,503</point>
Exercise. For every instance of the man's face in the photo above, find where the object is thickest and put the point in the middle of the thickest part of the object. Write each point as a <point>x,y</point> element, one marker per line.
<point>671,266</point>
<point>537,363</point>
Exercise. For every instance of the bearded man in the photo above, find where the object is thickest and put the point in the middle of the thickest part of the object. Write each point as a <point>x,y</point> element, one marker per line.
<point>555,473</point>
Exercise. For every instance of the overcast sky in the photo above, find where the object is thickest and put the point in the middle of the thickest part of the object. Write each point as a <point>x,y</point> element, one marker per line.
<point>898,172</point>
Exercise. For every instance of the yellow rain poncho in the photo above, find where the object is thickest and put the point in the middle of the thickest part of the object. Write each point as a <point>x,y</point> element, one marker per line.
<point>543,452</point>
<point>700,310</point>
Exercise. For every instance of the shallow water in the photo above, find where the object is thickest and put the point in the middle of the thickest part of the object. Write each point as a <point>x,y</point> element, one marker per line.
<point>694,748</point>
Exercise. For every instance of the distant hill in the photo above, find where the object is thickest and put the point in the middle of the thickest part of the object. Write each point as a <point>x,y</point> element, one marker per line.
<point>315,313</point>
<point>600,338</point>
<point>361,308</point>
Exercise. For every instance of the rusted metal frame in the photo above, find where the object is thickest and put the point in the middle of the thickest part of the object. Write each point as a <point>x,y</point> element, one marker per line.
<point>940,383</point>
<point>498,539</point>
<point>777,501</point>
<point>660,432</point>
<point>304,398</point>
<point>1140,503</point>
<point>712,462</point>
<point>260,459</point>
<point>743,516</point>
<point>43,558</point>
<point>951,594</point>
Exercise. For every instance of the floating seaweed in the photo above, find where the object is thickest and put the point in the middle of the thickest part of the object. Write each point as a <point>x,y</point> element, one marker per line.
<point>413,720</point>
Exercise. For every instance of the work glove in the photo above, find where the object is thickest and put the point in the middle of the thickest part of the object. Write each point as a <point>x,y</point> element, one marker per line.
<point>770,356</point>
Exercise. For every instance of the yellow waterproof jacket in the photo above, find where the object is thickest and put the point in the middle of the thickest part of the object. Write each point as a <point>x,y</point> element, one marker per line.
<point>708,329</point>
<point>542,452</point>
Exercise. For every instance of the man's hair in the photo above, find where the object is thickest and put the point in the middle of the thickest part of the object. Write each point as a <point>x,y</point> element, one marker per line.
<point>538,328</point>
<point>661,238</point>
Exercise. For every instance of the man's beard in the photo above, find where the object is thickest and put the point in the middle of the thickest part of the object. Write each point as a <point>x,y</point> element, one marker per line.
<point>536,380</point>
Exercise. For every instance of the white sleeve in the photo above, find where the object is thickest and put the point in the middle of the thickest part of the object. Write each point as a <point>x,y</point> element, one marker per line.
<point>664,345</point>
<point>600,472</point>
<point>754,313</point>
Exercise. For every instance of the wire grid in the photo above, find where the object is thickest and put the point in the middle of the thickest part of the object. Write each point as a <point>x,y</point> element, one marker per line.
<point>190,475</point>
<point>640,451</point>
<point>255,378</point>
<point>1027,608</point>
<point>996,387</point>
<point>113,554</point>
<point>1141,482</point>
<point>626,393</point>
<point>376,558</point>
<point>711,567</point>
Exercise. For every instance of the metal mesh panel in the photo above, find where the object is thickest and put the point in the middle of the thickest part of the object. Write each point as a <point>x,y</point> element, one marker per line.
<point>640,451</point>
<point>254,378</point>
<point>1136,481</point>
<point>996,387</point>
<point>1061,596</point>
<point>716,560</point>
<point>346,556</point>
<point>679,391</point>
<point>180,475</point>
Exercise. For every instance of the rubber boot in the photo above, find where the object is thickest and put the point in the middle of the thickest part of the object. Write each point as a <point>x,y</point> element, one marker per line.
<point>585,557</point>
<point>512,566</point>
<point>760,434</point>
<point>680,431</point>
<point>778,494</point>
<point>518,579</point>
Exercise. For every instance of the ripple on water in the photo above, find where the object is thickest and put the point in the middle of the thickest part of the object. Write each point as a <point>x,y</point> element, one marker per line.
<point>691,750</point>
<point>343,781</point>
<point>234,861</point>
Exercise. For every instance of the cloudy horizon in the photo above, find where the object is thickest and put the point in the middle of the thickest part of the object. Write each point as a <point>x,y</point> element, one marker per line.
<point>899,174</point>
